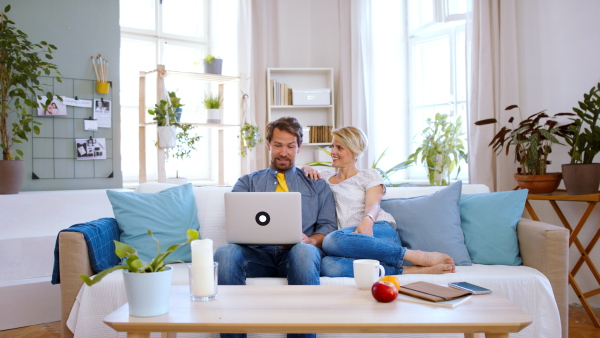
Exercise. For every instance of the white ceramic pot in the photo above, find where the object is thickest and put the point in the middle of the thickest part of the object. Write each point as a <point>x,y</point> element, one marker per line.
<point>148,293</point>
<point>214,116</point>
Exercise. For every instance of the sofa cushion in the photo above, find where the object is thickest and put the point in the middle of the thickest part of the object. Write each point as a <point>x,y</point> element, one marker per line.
<point>168,213</point>
<point>489,222</point>
<point>431,222</point>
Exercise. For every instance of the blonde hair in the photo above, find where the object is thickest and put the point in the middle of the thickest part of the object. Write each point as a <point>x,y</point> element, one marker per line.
<point>353,138</point>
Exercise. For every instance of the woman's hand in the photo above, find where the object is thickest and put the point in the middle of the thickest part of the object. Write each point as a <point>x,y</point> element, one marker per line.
<point>311,173</point>
<point>365,227</point>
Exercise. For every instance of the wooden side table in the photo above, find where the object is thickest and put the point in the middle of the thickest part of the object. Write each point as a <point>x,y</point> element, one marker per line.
<point>592,200</point>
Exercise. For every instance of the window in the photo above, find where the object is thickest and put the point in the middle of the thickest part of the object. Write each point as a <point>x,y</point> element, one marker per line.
<point>436,68</point>
<point>173,33</point>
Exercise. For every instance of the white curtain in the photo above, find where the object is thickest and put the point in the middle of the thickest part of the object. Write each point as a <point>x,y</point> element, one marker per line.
<point>247,95</point>
<point>492,39</point>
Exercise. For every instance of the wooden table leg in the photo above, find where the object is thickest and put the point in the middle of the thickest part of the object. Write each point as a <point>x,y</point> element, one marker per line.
<point>573,239</point>
<point>138,334</point>
<point>496,335</point>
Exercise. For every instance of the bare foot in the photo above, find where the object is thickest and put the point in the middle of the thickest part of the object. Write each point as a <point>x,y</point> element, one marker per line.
<point>426,259</point>
<point>436,269</point>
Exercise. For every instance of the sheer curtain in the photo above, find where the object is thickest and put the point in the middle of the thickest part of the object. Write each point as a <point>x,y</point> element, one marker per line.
<point>492,39</point>
<point>372,85</point>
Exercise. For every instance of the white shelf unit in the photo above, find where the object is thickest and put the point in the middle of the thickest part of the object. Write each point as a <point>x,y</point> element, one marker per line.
<point>322,115</point>
<point>161,73</point>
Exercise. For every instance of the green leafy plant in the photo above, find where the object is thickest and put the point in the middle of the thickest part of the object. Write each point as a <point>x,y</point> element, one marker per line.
<point>134,264</point>
<point>249,137</point>
<point>163,111</point>
<point>532,139</point>
<point>385,174</point>
<point>21,65</point>
<point>209,58</point>
<point>186,141</point>
<point>212,101</point>
<point>585,142</point>
<point>442,148</point>
<point>175,101</point>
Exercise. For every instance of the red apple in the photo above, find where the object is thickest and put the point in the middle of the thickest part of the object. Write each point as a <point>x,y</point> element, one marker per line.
<point>384,292</point>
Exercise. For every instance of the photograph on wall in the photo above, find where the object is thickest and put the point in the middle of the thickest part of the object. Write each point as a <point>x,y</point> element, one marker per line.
<point>56,107</point>
<point>91,148</point>
<point>102,113</point>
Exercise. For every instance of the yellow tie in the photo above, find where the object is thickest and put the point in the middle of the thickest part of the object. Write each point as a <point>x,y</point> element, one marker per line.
<point>282,186</point>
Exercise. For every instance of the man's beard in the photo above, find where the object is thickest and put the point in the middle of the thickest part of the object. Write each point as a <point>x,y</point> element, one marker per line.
<point>282,167</point>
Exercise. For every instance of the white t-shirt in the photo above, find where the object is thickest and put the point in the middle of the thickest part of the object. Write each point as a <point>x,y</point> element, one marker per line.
<point>350,197</point>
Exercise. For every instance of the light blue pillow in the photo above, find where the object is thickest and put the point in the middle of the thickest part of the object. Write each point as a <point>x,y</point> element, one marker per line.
<point>168,213</point>
<point>489,222</point>
<point>431,222</point>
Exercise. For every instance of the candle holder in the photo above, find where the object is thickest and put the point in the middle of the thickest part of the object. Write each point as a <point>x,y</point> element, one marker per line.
<point>204,281</point>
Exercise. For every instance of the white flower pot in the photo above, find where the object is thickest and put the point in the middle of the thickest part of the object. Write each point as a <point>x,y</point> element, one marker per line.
<point>167,136</point>
<point>148,293</point>
<point>214,116</point>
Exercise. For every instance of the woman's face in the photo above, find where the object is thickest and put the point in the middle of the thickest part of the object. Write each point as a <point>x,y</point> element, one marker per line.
<point>341,156</point>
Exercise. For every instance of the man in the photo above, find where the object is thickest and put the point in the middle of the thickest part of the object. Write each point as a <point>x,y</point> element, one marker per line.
<point>300,263</point>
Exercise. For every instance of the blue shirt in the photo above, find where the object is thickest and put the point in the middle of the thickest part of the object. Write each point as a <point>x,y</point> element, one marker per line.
<point>318,205</point>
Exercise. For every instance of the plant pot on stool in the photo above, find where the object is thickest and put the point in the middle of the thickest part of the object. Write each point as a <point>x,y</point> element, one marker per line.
<point>11,176</point>
<point>581,179</point>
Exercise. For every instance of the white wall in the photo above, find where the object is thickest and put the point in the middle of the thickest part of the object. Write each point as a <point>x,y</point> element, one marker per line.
<point>558,62</point>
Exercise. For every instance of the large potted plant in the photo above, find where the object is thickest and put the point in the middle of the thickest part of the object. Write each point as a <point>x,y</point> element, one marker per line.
<point>21,64</point>
<point>581,175</point>
<point>532,140</point>
<point>147,284</point>
<point>442,149</point>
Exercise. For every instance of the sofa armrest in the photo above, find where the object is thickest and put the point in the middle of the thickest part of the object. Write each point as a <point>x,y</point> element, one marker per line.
<point>74,261</point>
<point>545,247</point>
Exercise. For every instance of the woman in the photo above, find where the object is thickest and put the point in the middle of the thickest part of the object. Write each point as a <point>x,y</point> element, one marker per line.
<point>365,230</point>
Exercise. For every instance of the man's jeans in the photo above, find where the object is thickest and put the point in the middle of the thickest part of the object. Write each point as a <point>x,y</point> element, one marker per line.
<point>301,265</point>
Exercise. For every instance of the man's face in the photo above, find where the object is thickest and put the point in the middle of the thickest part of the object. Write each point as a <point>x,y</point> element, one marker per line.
<point>283,147</point>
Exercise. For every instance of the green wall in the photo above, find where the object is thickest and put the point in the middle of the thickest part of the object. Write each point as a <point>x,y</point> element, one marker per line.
<point>79,29</point>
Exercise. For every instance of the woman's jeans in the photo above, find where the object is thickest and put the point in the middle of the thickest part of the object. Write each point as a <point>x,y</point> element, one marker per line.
<point>344,246</point>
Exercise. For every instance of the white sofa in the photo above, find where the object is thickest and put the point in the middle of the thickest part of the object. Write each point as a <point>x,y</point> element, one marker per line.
<point>539,286</point>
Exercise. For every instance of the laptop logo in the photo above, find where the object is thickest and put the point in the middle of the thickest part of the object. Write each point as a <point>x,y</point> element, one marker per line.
<point>262,218</point>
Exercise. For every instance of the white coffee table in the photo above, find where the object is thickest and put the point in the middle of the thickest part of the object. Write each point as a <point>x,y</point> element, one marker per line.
<point>320,309</point>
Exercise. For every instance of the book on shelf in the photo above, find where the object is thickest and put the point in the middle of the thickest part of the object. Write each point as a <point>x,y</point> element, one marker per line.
<point>281,93</point>
<point>320,134</point>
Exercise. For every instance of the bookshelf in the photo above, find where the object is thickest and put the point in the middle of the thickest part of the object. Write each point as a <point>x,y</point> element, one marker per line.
<point>315,81</point>
<point>161,72</point>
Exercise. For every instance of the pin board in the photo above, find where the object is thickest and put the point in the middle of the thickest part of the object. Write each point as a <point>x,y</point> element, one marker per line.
<point>76,135</point>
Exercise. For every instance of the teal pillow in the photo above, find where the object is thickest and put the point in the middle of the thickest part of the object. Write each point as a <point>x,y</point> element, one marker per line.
<point>489,222</point>
<point>431,222</point>
<point>168,213</point>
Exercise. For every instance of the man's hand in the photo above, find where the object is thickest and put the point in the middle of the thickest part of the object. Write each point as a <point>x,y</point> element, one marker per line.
<point>316,239</point>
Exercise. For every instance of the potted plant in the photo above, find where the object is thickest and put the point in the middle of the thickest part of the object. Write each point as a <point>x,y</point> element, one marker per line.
<point>176,104</point>
<point>147,284</point>
<point>581,175</point>
<point>21,64</point>
<point>213,103</point>
<point>249,137</point>
<point>213,64</point>
<point>532,139</point>
<point>442,149</point>
<point>166,121</point>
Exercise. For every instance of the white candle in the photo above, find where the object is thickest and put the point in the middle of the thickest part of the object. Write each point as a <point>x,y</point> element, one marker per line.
<point>203,268</point>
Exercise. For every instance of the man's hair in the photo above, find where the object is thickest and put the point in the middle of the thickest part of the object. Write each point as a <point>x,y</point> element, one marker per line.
<point>353,138</point>
<point>289,124</point>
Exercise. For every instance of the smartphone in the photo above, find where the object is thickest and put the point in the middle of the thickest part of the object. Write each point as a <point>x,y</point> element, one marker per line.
<point>472,288</point>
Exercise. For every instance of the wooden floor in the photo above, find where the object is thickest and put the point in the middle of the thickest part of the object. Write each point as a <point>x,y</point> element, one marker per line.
<point>580,326</point>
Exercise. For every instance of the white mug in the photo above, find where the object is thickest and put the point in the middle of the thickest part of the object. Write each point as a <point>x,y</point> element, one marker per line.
<point>367,272</point>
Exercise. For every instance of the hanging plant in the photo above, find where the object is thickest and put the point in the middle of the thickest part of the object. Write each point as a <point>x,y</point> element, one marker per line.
<point>249,137</point>
<point>186,141</point>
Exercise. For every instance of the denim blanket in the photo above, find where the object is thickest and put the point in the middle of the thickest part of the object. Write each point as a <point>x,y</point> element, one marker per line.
<point>99,236</point>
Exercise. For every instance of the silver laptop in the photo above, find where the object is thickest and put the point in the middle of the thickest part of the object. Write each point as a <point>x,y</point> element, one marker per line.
<point>263,218</point>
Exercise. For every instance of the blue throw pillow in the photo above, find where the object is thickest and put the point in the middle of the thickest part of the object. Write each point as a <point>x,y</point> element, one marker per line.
<point>431,222</point>
<point>168,213</point>
<point>489,222</point>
